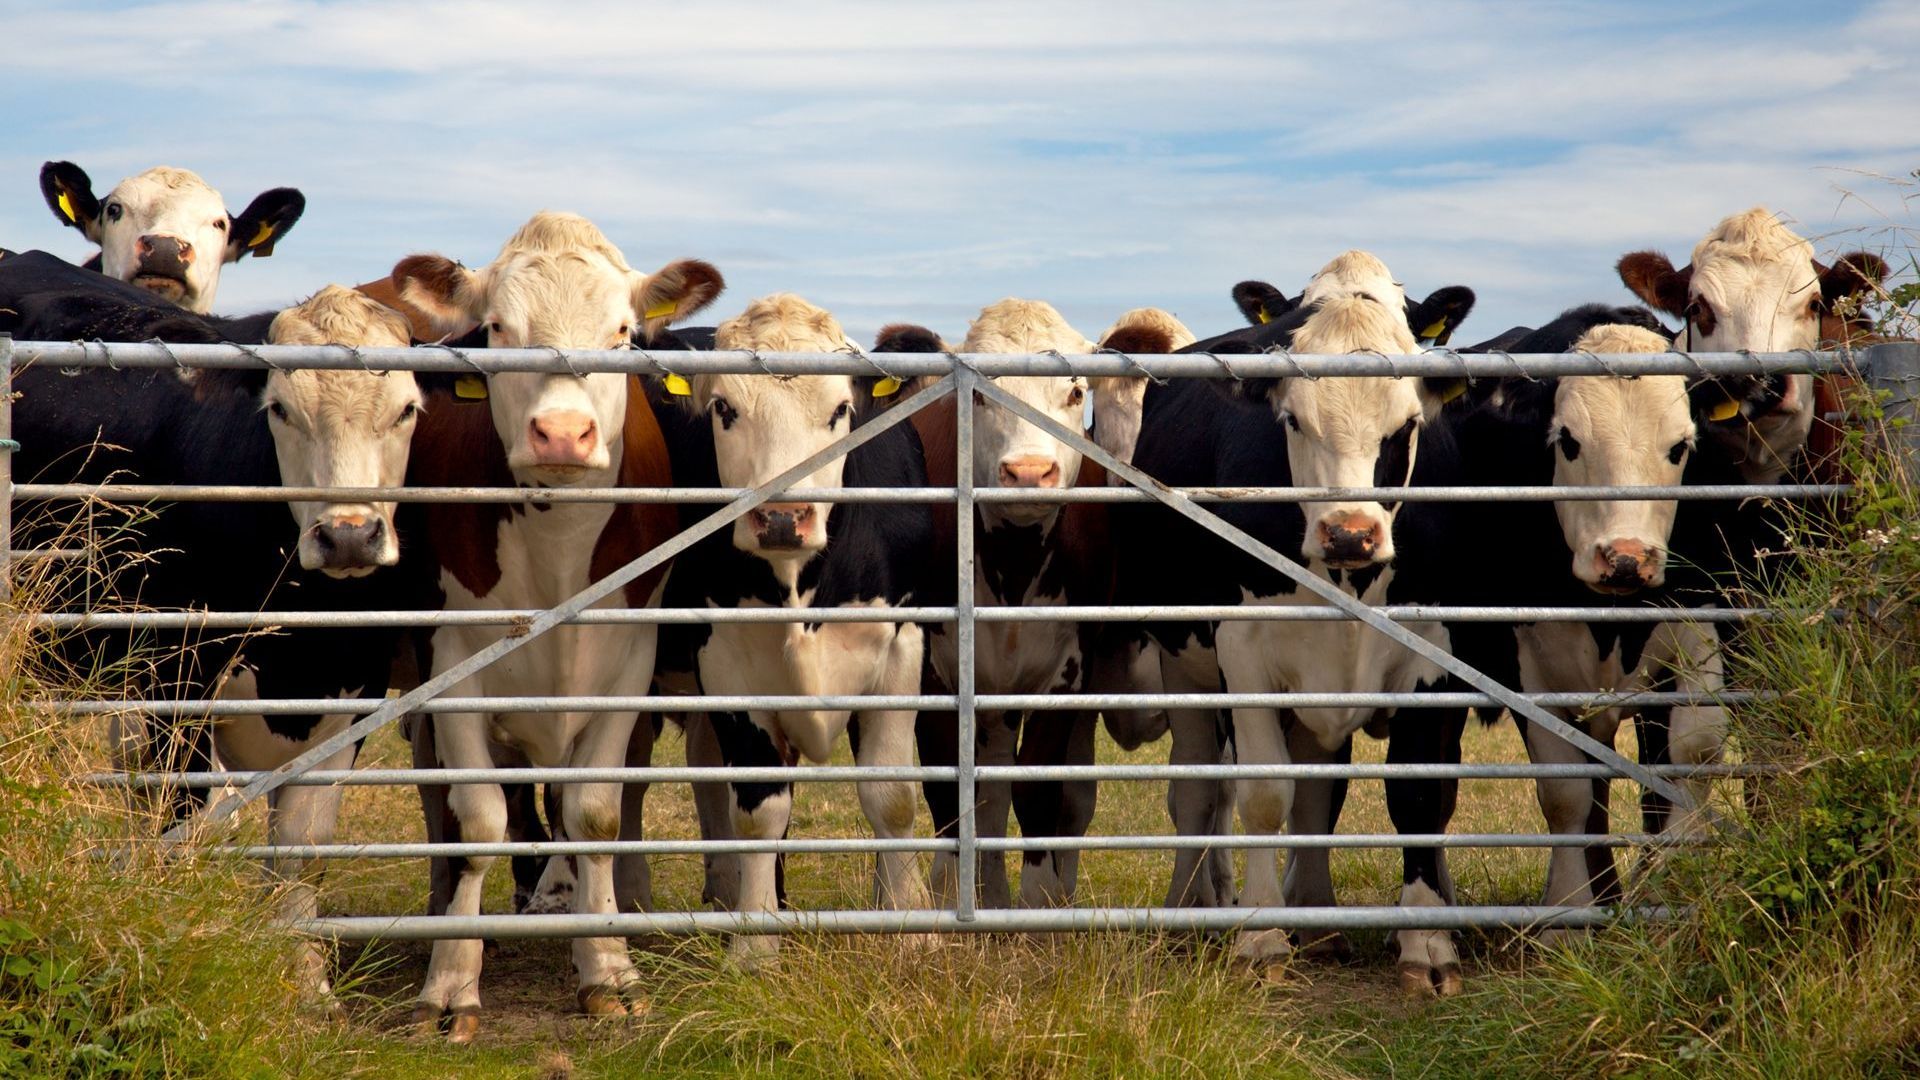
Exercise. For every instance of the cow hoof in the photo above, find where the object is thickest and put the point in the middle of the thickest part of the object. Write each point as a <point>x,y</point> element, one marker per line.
<point>1419,980</point>
<point>608,1001</point>
<point>1448,981</point>
<point>426,1018</point>
<point>1262,947</point>
<point>464,1026</point>
<point>1328,948</point>
<point>755,955</point>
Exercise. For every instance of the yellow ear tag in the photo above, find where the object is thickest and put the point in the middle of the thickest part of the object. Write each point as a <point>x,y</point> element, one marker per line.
<point>1432,333</point>
<point>264,234</point>
<point>1726,410</point>
<point>1453,391</point>
<point>470,388</point>
<point>678,386</point>
<point>66,207</point>
<point>886,387</point>
<point>1262,313</point>
<point>664,310</point>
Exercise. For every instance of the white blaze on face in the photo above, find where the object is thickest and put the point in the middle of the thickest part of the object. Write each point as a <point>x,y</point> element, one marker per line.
<point>342,429</point>
<point>165,230</point>
<point>1008,451</point>
<point>1629,431</point>
<point>1356,273</point>
<point>764,425</point>
<point>1754,287</point>
<point>1352,432</point>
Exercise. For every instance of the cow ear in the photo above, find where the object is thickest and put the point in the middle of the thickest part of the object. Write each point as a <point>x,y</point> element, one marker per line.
<point>1850,275</point>
<point>1718,400</point>
<point>70,195</point>
<point>1261,303</point>
<point>264,222</point>
<point>1652,278</point>
<point>448,383</point>
<point>1440,314</point>
<point>674,292</point>
<point>899,338</point>
<point>1446,391</point>
<point>450,295</point>
<point>1119,400</point>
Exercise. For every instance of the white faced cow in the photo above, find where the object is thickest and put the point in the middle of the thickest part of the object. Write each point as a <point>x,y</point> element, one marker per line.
<point>557,282</point>
<point>788,554</point>
<point>1754,285</point>
<point>166,230</point>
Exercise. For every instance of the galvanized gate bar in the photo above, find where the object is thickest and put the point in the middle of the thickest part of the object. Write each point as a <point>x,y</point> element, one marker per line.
<point>396,707</point>
<point>966,705</point>
<point>1333,594</point>
<point>268,621</point>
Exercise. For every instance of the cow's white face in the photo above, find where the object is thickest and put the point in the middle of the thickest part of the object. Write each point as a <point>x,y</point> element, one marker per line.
<point>1352,432</point>
<point>1008,452</point>
<point>342,429</point>
<point>1355,273</point>
<point>1634,431</point>
<point>165,230</point>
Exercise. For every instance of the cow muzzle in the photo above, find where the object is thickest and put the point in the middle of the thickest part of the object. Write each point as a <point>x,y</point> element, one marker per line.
<point>352,545</point>
<point>563,442</point>
<point>162,265</point>
<point>1621,567</point>
<point>1349,541</point>
<point>1029,471</point>
<point>784,526</point>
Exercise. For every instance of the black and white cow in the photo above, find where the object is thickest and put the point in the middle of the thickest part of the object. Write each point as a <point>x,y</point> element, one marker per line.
<point>803,555</point>
<point>1038,554</point>
<point>166,230</point>
<point>302,428</point>
<point>557,282</point>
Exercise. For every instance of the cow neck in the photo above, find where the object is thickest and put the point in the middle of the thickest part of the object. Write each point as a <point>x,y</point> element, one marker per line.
<point>1014,557</point>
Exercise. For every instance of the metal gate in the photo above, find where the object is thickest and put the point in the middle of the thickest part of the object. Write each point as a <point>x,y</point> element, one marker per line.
<point>965,375</point>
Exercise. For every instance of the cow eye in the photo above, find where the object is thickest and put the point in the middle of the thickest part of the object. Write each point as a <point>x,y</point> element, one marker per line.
<point>724,409</point>
<point>1293,422</point>
<point>409,412</point>
<point>277,411</point>
<point>844,410</point>
<point>1076,396</point>
<point>114,211</point>
<point>220,224</point>
<point>625,333</point>
<point>1678,451</point>
<point>497,328</point>
<point>1569,446</point>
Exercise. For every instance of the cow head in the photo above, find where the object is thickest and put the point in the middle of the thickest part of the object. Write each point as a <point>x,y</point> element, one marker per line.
<point>166,230</point>
<point>1432,320</point>
<point>1753,285</point>
<point>1351,432</point>
<point>557,283</point>
<point>764,425</point>
<point>348,428</point>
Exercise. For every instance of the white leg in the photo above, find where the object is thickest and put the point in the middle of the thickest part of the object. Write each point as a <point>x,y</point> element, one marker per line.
<point>760,812</point>
<point>1566,804</point>
<point>306,815</point>
<point>1308,880</point>
<point>452,985</point>
<point>1264,808</point>
<point>1698,732</point>
<point>886,738</point>
<point>592,812</point>
<point>1198,807</point>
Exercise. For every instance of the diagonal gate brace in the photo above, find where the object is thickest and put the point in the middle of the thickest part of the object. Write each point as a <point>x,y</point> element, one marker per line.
<point>1333,595</point>
<point>575,604</point>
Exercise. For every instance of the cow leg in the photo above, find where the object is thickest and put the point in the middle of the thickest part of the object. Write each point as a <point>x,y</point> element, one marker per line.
<point>553,892</point>
<point>1077,799</point>
<point>452,986</point>
<point>721,886</point>
<point>592,812</point>
<point>1039,803</point>
<point>1568,804</point>
<point>1265,805</point>
<point>938,734</point>
<point>1429,962</point>
<point>760,811</point>
<point>523,825</point>
<point>886,739</point>
<point>1197,806</point>
<point>301,814</point>
<point>1308,881</point>
<point>1698,732</point>
<point>441,826</point>
<point>632,882</point>
<point>999,736</point>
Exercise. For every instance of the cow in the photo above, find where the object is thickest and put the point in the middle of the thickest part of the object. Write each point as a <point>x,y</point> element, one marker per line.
<point>1025,555</point>
<point>557,282</point>
<point>789,554</point>
<point>1754,285</point>
<point>1433,320</point>
<point>166,230</point>
<point>244,427</point>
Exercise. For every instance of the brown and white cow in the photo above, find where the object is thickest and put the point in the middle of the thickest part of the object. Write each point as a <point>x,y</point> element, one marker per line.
<point>167,230</point>
<point>1027,554</point>
<point>1754,285</point>
<point>558,282</point>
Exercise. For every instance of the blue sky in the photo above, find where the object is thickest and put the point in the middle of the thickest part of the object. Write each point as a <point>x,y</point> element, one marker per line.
<point>914,162</point>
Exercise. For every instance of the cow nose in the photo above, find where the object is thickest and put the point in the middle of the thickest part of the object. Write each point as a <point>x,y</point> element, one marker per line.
<point>782,525</point>
<point>350,542</point>
<point>159,250</point>
<point>562,438</point>
<point>1349,538</point>
<point>1624,564</point>
<point>1033,470</point>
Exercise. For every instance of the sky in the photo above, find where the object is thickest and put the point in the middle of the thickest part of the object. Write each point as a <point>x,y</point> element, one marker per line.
<point>915,162</point>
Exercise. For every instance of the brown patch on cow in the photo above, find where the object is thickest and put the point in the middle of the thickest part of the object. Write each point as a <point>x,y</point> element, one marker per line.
<point>1146,340</point>
<point>1857,273</point>
<point>439,287</point>
<point>936,425</point>
<point>637,528</point>
<point>906,337</point>
<point>387,291</point>
<point>1651,277</point>
<point>455,445</point>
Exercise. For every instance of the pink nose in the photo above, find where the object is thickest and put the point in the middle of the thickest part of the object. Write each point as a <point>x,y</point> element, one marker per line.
<point>1624,563</point>
<point>166,248</point>
<point>1031,471</point>
<point>562,438</point>
<point>1350,538</point>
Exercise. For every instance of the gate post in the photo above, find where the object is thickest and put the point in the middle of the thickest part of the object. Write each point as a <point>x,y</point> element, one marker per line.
<point>963,631</point>
<point>1895,368</point>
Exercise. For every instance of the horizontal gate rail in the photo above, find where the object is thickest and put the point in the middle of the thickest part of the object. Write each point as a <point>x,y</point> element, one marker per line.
<point>263,620</point>
<point>1027,920</point>
<point>251,493</point>
<point>1021,702</point>
<point>667,774</point>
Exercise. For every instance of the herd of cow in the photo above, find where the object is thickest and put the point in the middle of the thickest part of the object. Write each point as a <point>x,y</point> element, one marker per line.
<point>164,235</point>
